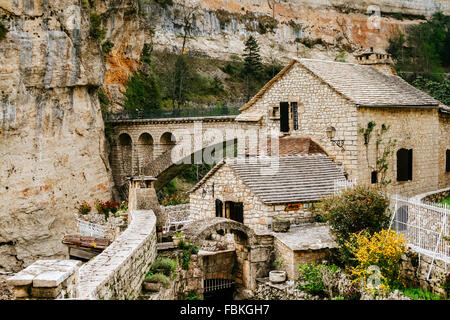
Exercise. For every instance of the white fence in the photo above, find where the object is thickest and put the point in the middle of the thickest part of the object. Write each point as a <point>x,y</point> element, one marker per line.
<point>90,229</point>
<point>342,185</point>
<point>425,226</point>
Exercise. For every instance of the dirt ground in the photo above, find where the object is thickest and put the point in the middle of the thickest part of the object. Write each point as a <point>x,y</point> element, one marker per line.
<point>6,292</point>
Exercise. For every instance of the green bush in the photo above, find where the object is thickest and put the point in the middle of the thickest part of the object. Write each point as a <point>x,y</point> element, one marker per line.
<point>167,265</point>
<point>96,31</point>
<point>142,93</point>
<point>358,209</point>
<point>419,294</point>
<point>310,279</point>
<point>107,46</point>
<point>158,278</point>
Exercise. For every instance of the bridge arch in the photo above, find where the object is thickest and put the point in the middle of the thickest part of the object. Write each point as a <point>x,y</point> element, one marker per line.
<point>145,149</point>
<point>125,146</point>
<point>167,141</point>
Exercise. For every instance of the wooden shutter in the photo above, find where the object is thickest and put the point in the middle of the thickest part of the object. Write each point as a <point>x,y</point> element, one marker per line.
<point>295,114</point>
<point>402,165</point>
<point>284,116</point>
<point>219,208</point>
<point>410,164</point>
<point>447,161</point>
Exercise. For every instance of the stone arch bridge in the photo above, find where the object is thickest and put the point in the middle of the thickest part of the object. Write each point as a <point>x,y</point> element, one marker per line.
<point>163,147</point>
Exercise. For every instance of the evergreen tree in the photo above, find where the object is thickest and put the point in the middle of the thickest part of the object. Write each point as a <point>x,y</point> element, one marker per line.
<point>252,59</point>
<point>253,68</point>
<point>142,93</point>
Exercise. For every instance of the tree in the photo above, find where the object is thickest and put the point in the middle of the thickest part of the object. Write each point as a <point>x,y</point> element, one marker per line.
<point>142,93</point>
<point>187,14</point>
<point>253,67</point>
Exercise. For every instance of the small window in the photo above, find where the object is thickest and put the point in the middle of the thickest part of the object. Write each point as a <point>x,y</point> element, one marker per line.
<point>276,112</point>
<point>374,178</point>
<point>447,161</point>
<point>404,164</point>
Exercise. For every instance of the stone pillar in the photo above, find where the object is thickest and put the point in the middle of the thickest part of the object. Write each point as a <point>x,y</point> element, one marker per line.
<point>146,198</point>
<point>46,279</point>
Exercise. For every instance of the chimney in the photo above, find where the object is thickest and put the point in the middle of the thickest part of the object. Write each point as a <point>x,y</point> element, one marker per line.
<point>376,59</point>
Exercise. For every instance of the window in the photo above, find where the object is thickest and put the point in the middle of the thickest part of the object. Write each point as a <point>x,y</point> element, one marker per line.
<point>284,116</point>
<point>447,161</point>
<point>374,177</point>
<point>404,164</point>
<point>219,208</point>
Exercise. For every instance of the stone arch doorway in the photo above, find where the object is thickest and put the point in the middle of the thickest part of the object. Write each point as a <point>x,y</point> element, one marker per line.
<point>226,248</point>
<point>126,150</point>
<point>167,141</point>
<point>145,150</point>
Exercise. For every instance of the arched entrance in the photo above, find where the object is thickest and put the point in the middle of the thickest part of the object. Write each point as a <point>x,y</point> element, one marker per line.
<point>145,150</point>
<point>126,149</point>
<point>226,252</point>
<point>167,141</point>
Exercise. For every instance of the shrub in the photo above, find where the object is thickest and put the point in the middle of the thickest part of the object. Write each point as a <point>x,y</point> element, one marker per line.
<point>192,296</point>
<point>378,259</point>
<point>419,294</point>
<point>84,208</point>
<point>167,265</point>
<point>158,278</point>
<point>310,279</point>
<point>354,210</point>
<point>446,284</point>
<point>107,46</point>
<point>96,31</point>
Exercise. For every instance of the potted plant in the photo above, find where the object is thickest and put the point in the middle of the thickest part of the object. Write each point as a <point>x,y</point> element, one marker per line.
<point>277,275</point>
<point>281,225</point>
<point>159,227</point>
<point>177,238</point>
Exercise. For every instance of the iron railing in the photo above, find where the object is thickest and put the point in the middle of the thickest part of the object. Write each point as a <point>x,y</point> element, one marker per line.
<point>175,113</point>
<point>424,225</point>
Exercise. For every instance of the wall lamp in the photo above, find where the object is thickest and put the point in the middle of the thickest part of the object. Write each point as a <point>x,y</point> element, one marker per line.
<point>205,190</point>
<point>331,132</point>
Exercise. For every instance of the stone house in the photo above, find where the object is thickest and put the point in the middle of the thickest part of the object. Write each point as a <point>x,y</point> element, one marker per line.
<point>333,103</point>
<point>255,190</point>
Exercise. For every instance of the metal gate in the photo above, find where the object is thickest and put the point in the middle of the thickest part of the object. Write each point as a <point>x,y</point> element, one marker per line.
<point>222,289</point>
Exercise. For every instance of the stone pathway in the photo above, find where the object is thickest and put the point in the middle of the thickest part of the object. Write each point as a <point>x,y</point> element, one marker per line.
<point>6,292</point>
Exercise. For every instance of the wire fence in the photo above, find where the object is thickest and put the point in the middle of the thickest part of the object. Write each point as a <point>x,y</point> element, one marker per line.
<point>425,225</point>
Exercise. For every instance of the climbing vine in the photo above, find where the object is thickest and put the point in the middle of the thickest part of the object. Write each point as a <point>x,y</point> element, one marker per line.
<point>383,151</point>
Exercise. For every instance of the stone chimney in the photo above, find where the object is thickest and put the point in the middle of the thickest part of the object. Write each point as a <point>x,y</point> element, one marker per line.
<point>376,59</point>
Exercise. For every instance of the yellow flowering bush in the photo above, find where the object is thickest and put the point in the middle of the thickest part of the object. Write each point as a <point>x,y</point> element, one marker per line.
<point>378,258</point>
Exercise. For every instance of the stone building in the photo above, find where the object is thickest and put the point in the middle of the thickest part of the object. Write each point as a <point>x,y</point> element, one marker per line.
<point>255,190</point>
<point>336,104</point>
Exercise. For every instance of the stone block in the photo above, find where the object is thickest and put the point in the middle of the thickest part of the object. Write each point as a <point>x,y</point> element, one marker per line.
<point>42,292</point>
<point>50,279</point>
<point>21,291</point>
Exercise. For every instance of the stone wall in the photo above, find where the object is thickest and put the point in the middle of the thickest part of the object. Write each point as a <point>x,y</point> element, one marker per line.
<point>117,273</point>
<point>434,196</point>
<point>415,269</point>
<point>413,128</point>
<point>229,187</point>
<point>444,145</point>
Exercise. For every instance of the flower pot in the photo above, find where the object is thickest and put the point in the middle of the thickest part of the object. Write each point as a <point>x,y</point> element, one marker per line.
<point>281,225</point>
<point>277,276</point>
<point>152,286</point>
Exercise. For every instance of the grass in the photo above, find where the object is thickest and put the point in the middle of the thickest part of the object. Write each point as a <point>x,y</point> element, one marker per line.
<point>446,201</point>
<point>419,294</point>
<point>167,265</point>
<point>158,278</point>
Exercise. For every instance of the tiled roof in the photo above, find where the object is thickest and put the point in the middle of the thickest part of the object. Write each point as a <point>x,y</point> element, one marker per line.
<point>365,86</point>
<point>289,146</point>
<point>289,179</point>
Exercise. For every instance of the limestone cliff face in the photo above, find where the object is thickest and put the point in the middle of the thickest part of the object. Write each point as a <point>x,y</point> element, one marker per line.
<point>52,145</point>
<point>221,26</point>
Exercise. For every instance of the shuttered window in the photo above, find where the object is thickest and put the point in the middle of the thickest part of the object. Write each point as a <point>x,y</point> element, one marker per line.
<point>447,161</point>
<point>404,165</point>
